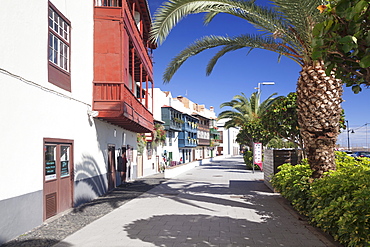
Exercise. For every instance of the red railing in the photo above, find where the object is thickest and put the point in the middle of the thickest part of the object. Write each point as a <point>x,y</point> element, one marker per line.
<point>117,105</point>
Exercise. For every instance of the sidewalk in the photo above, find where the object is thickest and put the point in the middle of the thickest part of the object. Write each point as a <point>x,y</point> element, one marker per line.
<point>59,227</point>
<point>218,204</point>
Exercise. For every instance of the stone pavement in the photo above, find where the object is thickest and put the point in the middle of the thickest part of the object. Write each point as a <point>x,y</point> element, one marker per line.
<point>217,204</point>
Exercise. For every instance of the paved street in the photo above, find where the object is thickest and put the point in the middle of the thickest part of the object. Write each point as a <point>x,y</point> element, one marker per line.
<point>217,204</point>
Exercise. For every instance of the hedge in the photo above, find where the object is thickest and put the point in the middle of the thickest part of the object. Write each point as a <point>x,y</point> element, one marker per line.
<point>339,203</point>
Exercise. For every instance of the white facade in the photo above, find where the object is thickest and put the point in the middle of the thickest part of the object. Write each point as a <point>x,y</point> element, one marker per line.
<point>229,146</point>
<point>34,109</point>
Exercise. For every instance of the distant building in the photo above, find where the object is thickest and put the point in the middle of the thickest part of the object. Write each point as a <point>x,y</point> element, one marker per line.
<point>228,145</point>
<point>188,127</point>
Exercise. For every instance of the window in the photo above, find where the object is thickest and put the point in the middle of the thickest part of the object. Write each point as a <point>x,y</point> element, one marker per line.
<point>170,136</point>
<point>59,49</point>
<point>108,3</point>
<point>137,19</point>
<point>58,40</point>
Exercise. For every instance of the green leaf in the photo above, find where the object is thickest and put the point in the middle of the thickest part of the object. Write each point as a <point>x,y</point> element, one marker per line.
<point>347,48</point>
<point>348,39</point>
<point>329,23</point>
<point>317,42</point>
<point>317,30</point>
<point>316,54</point>
<point>365,62</point>
<point>356,89</point>
<point>342,7</point>
<point>349,42</point>
<point>360,6</point>
<point>329,68</point>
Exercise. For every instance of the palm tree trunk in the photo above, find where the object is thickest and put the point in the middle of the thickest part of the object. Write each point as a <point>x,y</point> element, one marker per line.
<point>318,99</point>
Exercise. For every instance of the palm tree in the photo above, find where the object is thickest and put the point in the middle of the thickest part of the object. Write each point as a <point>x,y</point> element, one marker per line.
<point>246,113</point>
<point>244,109</point>
<point>286,28</point>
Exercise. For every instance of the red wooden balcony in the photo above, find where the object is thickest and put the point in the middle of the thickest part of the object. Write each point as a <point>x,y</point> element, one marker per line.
<point>117,105</point>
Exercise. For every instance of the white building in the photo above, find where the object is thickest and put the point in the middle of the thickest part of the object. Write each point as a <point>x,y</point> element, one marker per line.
<point>228,145</point>
<point>55,152</point>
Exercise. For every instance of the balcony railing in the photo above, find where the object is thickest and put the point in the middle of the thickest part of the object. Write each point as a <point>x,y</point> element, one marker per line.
<point>117,104</point>
<point>108,3</point>
<point>203,142</point>
<point>171,118</point>
<point>187,143</point>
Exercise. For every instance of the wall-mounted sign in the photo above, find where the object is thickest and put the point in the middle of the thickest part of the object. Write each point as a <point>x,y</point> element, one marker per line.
<point>64,169</point>
<point>257,154</point>
<point>50,172</point>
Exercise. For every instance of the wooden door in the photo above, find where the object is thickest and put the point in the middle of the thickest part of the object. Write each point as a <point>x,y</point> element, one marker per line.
<point>111,171</point>
<point>140,165</point>
<point>58,176</point>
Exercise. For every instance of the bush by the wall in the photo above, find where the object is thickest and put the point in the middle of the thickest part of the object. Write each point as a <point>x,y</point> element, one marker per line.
<point>338,203</point>
<point>248,160</point>
<point>293,182</point>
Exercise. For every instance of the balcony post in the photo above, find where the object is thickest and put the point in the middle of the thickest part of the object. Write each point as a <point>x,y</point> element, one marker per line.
<point>133,70</point>
<point>146,90</point>
<point>141,83</point>
<point>153,99</point>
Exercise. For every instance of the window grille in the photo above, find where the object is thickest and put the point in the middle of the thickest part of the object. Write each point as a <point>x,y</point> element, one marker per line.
<point>59,40</point>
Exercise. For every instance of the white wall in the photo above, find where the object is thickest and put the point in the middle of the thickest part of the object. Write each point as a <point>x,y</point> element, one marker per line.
<point>230,146</point>
<point>24,30</point>
<point>34,108</point>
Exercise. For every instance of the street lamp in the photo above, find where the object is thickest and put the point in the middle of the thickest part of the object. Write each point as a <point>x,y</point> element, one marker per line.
<point>367,147</point>
<point>263,83</point>
<point>348,130</point>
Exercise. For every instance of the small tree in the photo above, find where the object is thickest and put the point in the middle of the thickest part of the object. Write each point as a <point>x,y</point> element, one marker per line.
<point>246,113</point>
<point>343,41</point>
<point>281,120</point>
<point>251,132</point>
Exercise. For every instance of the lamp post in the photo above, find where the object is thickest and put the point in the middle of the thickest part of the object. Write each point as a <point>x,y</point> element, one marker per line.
<point>263,83</point>
<point>348,130</point>
<point>367,147</point>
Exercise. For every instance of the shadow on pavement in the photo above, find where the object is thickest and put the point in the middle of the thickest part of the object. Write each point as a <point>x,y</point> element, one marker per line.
<point>35,243</point>
<point>119,195</point>
<point>198,230</point>
<point>67,223</point>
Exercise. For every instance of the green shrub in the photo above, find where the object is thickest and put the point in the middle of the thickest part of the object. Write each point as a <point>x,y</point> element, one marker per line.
<point>338,203</point>
<point>248,160</point>
<point>293,182</point>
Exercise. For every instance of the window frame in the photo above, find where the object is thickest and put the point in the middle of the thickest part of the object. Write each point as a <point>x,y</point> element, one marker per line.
<point>57,74</point>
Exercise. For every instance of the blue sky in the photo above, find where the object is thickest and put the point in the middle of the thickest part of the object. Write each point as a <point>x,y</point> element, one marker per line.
<point>237,72</point>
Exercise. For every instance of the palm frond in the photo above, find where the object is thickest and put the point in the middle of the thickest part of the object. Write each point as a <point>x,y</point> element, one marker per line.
<point>302,15</point>
<point>245,109</point>
<point>229,44</point>
<point>173,11</point>
<point>286,28</point>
